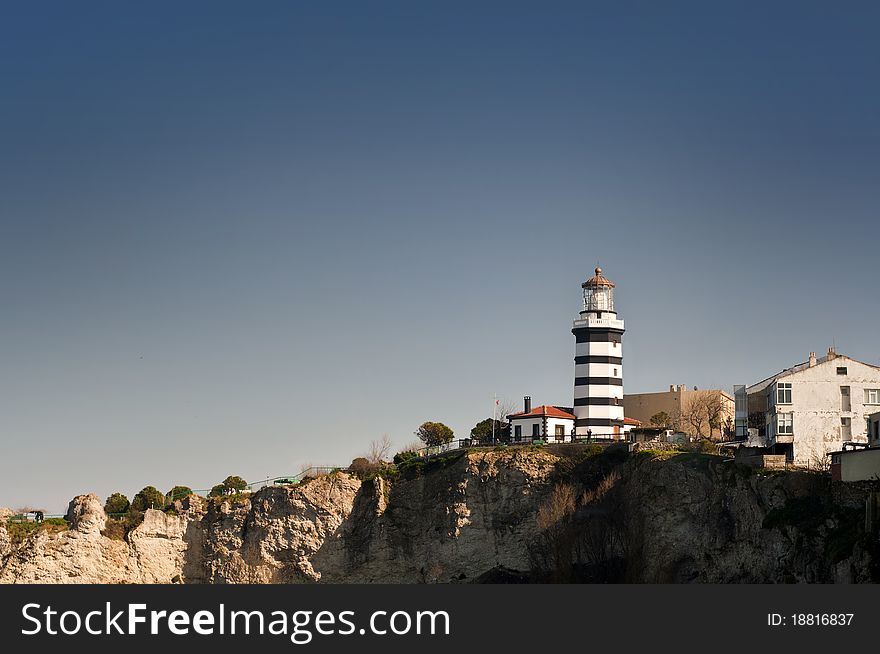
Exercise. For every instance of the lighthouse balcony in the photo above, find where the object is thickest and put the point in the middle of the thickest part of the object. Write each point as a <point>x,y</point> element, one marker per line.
<point>592,321</point>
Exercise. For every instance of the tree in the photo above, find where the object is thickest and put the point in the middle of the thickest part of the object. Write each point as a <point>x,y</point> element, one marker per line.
<point>661,420</point>
<point>148,498</point>
<point>235,483</point>
<point>232,484</point>
<point>434,433</point>
<point>116,503</point>
<point>729,429</point>
<point>482,431</point>
<point>703,409</point>
<point>361,466</point>
<point>178,493</point>
<point>379,450</point>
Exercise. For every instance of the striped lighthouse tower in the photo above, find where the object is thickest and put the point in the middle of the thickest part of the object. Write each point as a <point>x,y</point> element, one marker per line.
<point>598,362</point>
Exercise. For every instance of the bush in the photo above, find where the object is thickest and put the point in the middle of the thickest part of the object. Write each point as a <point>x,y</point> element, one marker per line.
<point>403,457</point>
<point>232,484</point>
<point>178,493</point>
<point>362,468</point>
<point>148,498</point>
<point>117,503</point>
<point>235,483</point>
<point>115,529</point>
<point>19,531</point>
<point>118,528</point>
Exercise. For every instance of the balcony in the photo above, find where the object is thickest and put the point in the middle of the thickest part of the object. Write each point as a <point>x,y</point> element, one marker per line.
<point>599,322</point>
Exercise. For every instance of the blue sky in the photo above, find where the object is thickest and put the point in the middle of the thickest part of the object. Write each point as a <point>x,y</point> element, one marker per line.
<point>240,238</point>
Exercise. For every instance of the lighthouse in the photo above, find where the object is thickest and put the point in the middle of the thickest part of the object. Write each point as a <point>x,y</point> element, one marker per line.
<point>598,362</point>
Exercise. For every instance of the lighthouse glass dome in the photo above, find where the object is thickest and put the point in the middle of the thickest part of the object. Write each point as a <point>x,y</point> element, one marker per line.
<point>598,293</point>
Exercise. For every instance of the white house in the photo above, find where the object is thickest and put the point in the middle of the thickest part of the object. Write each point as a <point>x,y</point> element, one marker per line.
<point>812,409</point>
<point>546,422</point>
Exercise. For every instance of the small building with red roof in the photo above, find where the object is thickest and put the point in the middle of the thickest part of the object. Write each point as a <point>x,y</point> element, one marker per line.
<point>550,423</point>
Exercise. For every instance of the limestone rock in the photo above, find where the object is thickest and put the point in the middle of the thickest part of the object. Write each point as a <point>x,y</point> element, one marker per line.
<point>688,518</point>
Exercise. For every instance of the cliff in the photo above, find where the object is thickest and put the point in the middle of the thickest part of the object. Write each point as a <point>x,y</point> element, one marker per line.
<point>568,513</point>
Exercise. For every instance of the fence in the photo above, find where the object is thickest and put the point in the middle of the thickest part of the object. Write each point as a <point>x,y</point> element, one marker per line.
<point>314,471</point>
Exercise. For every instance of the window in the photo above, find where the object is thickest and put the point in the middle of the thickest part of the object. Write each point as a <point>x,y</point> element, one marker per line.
<point>845,403</point>
<point>536,430</point>
<point>784,423</point>
<point>559,430</point>
<point>517,432</point>
<point>615,372</point>
<point>872,396</point>
<point>845,428</point>
<point>783,393</point>
<point>841,371</point>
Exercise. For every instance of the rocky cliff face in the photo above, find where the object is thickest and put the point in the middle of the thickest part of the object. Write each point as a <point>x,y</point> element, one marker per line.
<point>484,515</point>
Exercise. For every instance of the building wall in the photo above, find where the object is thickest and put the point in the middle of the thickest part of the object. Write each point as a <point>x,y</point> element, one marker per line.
<point>874,429</point>
<point>859,465</point>
<point>817,411</point>
<point>567,426</point>
<point>526,424</point>
<point>642,406</point>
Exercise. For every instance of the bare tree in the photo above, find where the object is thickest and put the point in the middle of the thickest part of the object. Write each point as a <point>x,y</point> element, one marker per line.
<point>379,450</point>
<point>414,446</point>
<point>504,409</point>
<point>552,552</point>
<point>702,411</point>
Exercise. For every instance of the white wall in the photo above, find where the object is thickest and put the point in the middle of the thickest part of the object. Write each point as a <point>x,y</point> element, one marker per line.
<point>567,426</point>
<point>601,349</point>
<point>816,408</point>
<point>594,390</point>
<point>526,424</point>
<point>860,465</point>
<point>598,370</point>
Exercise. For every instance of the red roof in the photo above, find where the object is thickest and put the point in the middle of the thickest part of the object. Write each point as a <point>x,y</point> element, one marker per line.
<point>632,421</point>
<point>543,410</point>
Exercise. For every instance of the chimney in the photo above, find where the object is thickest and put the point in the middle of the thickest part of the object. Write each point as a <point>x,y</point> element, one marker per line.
<point>812,359</point>
<point>527,403</point>
<point>831,353</point>
<point>671,388</point>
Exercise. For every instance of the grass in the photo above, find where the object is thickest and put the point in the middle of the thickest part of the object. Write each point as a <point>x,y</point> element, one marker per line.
<point>19,531</point>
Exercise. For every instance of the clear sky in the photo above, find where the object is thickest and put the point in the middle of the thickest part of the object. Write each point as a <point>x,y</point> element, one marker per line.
<point>237,238</point>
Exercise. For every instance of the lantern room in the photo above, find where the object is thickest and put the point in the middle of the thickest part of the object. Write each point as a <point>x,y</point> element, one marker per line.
<point>598,293</point>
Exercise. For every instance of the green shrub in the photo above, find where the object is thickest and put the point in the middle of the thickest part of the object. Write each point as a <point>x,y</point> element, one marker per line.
<point>178,493</point>
<point>149,497</point>
<point>231,483</point>
<point>403,457</point>
<point>116,503</point>
<point>19,531</point>
<point>362,468</point>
